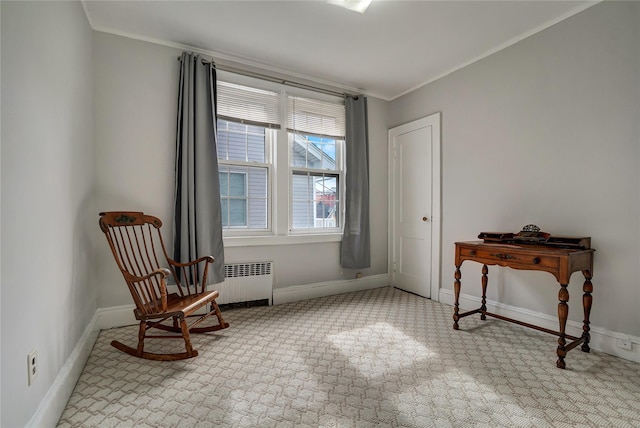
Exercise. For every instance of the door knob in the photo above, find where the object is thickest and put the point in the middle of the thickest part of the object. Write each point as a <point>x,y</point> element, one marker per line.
<point>425,218</point>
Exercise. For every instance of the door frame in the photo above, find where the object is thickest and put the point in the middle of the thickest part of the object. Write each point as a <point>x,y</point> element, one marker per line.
<point>434,122</point>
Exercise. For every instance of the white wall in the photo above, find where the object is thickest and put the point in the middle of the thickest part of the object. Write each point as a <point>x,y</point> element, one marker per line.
<point>135,110</point>
<point>135,99</point>
<point>48,296</point>
<point>546,132</point>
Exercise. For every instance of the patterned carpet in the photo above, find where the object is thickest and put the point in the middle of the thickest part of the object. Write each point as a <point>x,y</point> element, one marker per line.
<point>375,358</point>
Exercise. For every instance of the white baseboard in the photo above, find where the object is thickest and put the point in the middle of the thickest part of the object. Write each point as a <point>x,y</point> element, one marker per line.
<point>296,293</point>
<point>54,402</point>
<point>602,340</point>
<point>116,316</point>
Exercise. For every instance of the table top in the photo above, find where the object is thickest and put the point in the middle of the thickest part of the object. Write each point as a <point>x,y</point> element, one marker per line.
<point>548,249</point>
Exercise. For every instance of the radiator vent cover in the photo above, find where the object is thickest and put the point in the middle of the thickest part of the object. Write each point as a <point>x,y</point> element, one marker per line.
<point>237,270</point>
<point>246,282</point>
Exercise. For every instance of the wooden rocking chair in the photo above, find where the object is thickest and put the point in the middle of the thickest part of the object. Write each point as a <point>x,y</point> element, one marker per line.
<point>137,244</point>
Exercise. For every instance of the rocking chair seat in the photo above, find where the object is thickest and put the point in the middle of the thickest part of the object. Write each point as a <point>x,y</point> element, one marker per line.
<point>177,306</point>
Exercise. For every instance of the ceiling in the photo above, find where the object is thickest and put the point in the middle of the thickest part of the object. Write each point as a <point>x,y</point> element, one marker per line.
<point>393,48</point>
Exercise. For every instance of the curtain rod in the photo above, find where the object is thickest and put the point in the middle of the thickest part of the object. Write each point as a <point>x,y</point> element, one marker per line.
<point>275,79</point>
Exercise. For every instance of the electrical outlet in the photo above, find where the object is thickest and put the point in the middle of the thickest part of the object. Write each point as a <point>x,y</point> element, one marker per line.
<point>624,344</point>
<point>32,366</point>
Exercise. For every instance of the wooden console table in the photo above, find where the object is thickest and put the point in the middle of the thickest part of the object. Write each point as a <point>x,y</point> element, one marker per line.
<point>560,262</point>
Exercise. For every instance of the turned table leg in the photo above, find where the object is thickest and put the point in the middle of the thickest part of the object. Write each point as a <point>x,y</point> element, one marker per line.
<point>563,313</point>
<point>587,300</point>
<point>456,293</point>
<point>483,308</point>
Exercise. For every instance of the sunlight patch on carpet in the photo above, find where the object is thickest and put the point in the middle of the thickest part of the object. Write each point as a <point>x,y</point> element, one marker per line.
<point>379,348</point>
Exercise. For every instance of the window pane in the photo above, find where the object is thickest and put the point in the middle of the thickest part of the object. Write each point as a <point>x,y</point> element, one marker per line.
<point>237,184</point>
<point>298,153</point>
<point>301,187</point>
<point>313,152</point>
<point>223,143</point>
<point>255,144</point>
<point>302,218</point>
<point>224,183</point>
<point>335,214</point>
<point>326,215</point>
<point>224,205</point>
<point>315,201</point>
<point>244,196</point>
<point>257,182</point>
<point>243,143</point>
<point>237,146</point>
<point>237,212</point>
<point>258,213</point>
<point>328,154</point>
<point>234,212</point>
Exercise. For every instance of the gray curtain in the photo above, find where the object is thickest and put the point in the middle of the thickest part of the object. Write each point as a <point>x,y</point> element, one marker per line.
<point>197,215</point>
<point>356,247</point>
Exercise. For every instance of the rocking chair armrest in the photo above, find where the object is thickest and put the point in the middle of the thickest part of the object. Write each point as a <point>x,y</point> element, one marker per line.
<point>208,259</point>
<point>160,271</point>
<point>164,273</point>
<point>193,273</point>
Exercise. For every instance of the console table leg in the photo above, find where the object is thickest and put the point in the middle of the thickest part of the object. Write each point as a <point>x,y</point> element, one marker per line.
<point>483,308</point>
<point>587,300</point>
<point>563,313</point>
<point>456,293</point>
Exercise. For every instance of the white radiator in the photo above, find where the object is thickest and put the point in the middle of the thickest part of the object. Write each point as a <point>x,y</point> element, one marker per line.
<point>246,282</point>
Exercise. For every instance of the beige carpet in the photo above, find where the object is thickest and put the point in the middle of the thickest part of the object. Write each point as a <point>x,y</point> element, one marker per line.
<point>374,358</point>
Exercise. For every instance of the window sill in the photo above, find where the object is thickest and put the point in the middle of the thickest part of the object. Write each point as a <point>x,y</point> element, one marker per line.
<point>258,241</point>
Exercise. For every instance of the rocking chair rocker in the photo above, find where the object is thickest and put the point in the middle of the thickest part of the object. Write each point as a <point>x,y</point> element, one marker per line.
<point>136,244</point>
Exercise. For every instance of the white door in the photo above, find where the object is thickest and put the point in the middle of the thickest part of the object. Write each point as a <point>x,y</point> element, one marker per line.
<point>414,189</point>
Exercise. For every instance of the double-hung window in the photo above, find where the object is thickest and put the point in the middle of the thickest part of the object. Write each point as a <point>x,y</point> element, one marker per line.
<point>281,160</point>
<point>246,119</point>
<point>316,141</point>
